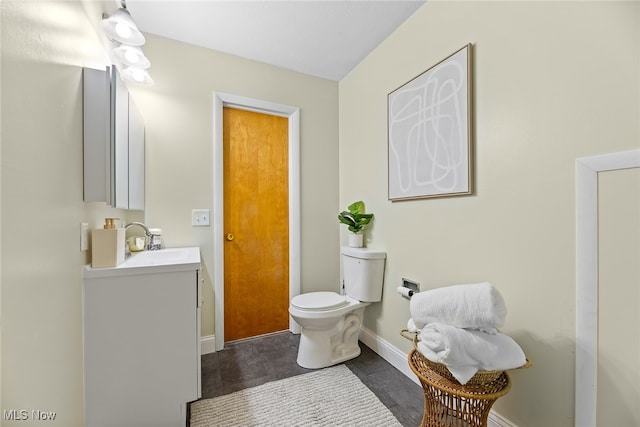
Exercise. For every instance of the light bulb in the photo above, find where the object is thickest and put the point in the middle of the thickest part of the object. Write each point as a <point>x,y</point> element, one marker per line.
<point>120,27</point>
<point>132,56</point>
<point>138,75</point>
<point>123,30</point>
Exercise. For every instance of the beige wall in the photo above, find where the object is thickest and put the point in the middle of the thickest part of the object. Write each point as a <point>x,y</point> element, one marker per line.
<point>554,81</point>
<point>178,113</point>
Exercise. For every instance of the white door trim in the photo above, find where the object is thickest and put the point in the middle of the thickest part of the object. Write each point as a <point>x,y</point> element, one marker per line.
<point>587,169</point>
<point>221,100</point>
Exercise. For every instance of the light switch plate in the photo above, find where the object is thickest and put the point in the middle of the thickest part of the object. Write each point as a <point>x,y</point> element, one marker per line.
<point>84,236</point>
<point>200,217</point>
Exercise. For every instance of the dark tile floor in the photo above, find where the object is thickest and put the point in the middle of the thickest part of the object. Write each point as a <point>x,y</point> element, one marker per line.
<point>251,362</point>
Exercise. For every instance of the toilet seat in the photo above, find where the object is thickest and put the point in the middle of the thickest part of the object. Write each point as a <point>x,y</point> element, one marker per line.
<point>319,301</point>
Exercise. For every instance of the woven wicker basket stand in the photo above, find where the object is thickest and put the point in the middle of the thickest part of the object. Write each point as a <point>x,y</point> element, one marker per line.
<point>447,403</point>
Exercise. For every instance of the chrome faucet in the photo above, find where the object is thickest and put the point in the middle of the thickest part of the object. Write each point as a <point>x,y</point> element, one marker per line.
<point>146,231</point>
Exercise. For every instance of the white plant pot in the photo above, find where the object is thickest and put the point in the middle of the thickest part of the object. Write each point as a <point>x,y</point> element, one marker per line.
<point>356,240</point>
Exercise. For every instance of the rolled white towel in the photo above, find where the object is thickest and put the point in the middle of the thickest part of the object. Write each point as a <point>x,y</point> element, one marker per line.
<point>478,305</point>
<point>465,351</point>
<point>411,326</point>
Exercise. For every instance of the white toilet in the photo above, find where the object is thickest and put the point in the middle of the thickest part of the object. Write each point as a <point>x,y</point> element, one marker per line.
<point>330,322</point>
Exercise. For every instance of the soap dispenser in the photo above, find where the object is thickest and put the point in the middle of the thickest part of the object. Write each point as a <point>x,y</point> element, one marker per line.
<point>107,245</point>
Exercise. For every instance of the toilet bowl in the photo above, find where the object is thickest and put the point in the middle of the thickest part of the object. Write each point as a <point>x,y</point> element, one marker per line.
<point>330,322</point>
<point>330,325</point>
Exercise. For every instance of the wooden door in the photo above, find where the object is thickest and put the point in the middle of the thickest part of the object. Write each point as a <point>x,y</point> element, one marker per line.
<point>256,223</point>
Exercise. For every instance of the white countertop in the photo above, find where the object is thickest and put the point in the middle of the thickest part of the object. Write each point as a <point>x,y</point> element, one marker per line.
<point>150,262</point>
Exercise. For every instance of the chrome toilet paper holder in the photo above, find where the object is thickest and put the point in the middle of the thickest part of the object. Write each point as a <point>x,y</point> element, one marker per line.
<point>411,286</point>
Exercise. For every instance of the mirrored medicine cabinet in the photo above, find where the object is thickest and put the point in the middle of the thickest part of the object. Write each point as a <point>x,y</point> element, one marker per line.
<point>113,142</point>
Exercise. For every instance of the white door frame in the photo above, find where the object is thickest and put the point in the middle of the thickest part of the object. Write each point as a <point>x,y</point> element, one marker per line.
<point>587,169</point>
<point>221,100</point>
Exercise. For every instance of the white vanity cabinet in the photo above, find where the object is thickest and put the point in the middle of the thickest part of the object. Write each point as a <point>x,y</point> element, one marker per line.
<point>142,339</point>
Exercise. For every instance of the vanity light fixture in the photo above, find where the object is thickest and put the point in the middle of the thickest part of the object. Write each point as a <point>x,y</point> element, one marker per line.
<point>137,75</point>
<point>120,27</point>
<point>131,56</point>
<point>125,40</point>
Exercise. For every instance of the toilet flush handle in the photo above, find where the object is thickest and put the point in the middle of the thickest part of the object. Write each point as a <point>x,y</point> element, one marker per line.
<point>230,236</point>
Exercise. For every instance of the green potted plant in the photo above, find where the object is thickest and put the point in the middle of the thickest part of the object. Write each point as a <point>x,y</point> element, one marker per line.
<point>355,219</point>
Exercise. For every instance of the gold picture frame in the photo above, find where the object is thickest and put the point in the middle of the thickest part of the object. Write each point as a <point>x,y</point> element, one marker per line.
<point>430,132</point>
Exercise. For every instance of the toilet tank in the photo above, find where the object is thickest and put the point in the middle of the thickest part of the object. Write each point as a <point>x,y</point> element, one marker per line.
<point>363,273</point>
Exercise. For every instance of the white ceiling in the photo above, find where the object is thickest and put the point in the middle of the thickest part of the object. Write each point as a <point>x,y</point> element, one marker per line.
<point>324,38</point>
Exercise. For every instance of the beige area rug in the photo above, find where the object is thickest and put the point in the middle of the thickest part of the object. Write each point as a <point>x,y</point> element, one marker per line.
<point>329,397</point>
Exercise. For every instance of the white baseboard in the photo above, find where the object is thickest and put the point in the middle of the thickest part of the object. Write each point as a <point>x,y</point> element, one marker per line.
<point>391,354</point>
<point>399,360</point>
<point>207,344</point>
<point>497,420</point>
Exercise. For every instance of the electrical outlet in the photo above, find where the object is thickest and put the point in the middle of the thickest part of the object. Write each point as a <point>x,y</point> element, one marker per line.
<point>200,218</point>
<point>84,236</point>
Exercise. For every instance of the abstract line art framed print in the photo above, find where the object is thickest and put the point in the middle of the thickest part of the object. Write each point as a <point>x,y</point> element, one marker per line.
<point>429,125</point>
